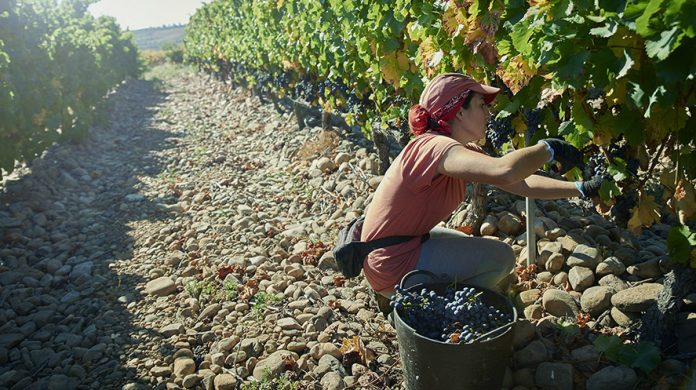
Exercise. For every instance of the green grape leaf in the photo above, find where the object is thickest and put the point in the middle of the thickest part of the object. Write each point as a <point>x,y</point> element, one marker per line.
<point>521,35</point>
<point>570,65</point>
<point>654,98</point>
<point>637,94</point>
<point>680,239</point>
<point>646,358</point>
<point>607,344</point>
<point>626,65</point>
<point>618,169</point>
<point>643,22</point>
<point>661,48</point>
<point>609,190</point>
<point>607,30</point>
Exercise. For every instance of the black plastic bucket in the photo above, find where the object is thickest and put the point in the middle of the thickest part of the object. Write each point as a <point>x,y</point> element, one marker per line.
<point>429,364</point>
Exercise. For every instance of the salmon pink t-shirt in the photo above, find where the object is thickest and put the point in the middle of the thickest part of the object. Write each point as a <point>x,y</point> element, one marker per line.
<point>409,202</point>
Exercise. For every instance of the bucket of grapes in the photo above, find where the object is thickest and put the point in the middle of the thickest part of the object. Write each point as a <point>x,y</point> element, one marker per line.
<point>451,335</point>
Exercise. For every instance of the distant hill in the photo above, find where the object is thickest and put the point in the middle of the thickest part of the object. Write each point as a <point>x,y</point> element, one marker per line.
<point>155,38</point>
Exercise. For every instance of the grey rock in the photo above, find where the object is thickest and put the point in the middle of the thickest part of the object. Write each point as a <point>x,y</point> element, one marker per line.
<point>161,286</point>
<point>595,300</point>
<point>559,303</point>
<point>172,329</point>
<point>557,376</point>
<point>584,256</point>
<point>332,381</point>
<point>274,365</point>
<point>615,378</point>
<point>531,355</point>
<point>610,265</point>
<point>10,340</point>
<point>624,319</point>
<point>580,278</point>
<point>636,299</point>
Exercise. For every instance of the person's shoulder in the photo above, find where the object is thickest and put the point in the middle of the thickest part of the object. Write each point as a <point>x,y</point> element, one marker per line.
<point>433,139</point>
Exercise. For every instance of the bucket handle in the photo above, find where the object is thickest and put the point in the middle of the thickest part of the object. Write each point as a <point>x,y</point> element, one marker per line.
<point>416,272</point>
<point>498,329</point>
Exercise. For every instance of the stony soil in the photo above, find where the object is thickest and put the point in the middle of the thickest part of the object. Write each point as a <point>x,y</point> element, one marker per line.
<point>187,244</point>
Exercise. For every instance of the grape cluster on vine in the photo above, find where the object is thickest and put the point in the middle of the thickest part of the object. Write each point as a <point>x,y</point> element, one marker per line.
<point>456,316</point>
<point>498,131</point>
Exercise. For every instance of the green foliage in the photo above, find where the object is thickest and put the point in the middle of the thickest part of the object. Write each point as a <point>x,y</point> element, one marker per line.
<point>643,356</point>
<point>603,73</point>
<point>681,243</point>
<point>56,64</point>
<point>212,289</point>
<point>174,53</point>
<point>261,301</point>
<point>281,382</point>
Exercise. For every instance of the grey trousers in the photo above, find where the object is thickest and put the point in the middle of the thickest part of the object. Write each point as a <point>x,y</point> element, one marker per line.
<point>472,260</point>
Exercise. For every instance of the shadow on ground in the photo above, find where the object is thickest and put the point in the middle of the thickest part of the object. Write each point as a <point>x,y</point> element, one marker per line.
<point>65,318</point>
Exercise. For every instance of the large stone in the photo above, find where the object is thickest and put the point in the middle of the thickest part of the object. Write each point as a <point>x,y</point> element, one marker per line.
<point>557,376</point>
<point>161,286</point>
<point>531,355</point>
<point>584,256</point>
<point>610,265</point>
<point>274,365</point>
<point>288,323</point>
<point>613,282</point>
<point>509,223</point>
<point>172,329</point>
<point>595,300</point>
<point>332,381</point>
<point>622,318</point>
<point>614,378</point>
<point>646,270</point>
<point>184,366</point>
<point>559,303</point>
<point>580,278</point>
<point>225,382</point>
<point>636,299</point>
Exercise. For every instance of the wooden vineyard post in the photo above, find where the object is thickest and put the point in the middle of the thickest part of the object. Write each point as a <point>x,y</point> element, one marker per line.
<point>299,114</point>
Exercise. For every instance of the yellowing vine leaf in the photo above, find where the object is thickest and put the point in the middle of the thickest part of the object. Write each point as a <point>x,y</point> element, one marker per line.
<point>392,66</point>
<point>685,204</point>
<point>454,21</point>
<point>617,94</point>
<point>515,73</point>
<point>645,214</point>
<point>430,56</point>
<point>519,125</point>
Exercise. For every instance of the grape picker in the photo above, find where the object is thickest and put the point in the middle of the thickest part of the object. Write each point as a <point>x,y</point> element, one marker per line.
<point>427,181</point>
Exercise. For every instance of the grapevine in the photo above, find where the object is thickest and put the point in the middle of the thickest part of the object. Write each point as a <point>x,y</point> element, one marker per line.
<point>615,80</point>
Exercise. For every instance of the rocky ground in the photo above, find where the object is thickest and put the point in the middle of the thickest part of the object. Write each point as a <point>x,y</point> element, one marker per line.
<point>187,243</point>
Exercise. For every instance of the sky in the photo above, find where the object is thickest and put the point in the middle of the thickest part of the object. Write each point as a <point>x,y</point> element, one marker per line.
<point>137,14</point>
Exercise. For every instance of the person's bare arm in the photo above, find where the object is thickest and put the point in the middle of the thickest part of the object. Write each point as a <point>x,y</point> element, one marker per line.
<point>512,168</point>
<point>542,187</point>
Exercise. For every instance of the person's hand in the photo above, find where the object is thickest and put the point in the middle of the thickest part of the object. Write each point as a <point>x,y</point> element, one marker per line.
<point>590,189</point>
<point>566,154</point>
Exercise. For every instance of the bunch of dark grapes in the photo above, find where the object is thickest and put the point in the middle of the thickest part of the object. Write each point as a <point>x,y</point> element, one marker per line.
<point>621,210</point>
<point>457,316</point>
<point>307,89</point>
<point>597,165</point>
<point>498,131</point>
<point>353,102</point>
<point>281,81</point>
<point>534,119</point>
<point>622,152</point>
